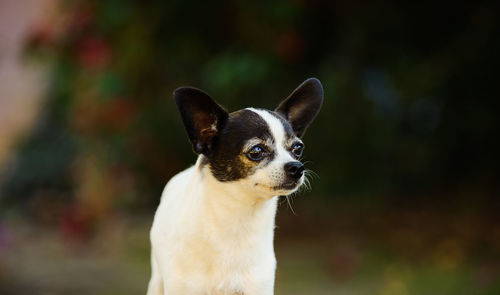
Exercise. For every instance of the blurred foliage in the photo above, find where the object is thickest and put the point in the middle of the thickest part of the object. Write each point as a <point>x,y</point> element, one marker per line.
<point>411,109</point>
<point>411,103</point>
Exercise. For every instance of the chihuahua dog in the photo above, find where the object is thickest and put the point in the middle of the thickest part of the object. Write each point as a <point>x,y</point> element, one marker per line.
<point>213,230</point>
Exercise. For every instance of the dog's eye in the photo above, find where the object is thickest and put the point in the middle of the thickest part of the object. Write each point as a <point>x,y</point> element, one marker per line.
<point>297,149</point>
<point>256,153</point>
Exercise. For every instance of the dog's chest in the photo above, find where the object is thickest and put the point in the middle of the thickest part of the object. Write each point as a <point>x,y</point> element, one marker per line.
<point>225,262</point>
<point>223,248</point>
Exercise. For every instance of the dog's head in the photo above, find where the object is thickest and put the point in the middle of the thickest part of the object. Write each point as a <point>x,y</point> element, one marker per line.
<point>257,149</point>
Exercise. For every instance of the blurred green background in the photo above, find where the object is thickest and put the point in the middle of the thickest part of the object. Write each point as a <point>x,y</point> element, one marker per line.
<point>405,147</point>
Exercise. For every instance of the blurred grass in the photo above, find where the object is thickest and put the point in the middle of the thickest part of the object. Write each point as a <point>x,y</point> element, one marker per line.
<point>349,249</point>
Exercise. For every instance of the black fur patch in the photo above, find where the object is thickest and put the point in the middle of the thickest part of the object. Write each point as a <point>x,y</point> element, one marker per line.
<point>201,115</point>
<point>302,105</point>
<point>227,160</point>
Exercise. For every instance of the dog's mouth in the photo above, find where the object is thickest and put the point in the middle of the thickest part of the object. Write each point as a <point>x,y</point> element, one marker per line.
<point>283,188</point>
<point>287,186</point>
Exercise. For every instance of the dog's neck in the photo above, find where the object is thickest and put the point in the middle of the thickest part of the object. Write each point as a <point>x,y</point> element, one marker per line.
<point>231,207</point>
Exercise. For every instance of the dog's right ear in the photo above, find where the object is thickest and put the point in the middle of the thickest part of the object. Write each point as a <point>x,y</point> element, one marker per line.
<point>203,118</point>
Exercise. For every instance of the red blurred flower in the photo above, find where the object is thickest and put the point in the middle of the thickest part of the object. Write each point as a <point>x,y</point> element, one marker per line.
<point>75,224</point>
<point>40,35</point>
<point>116,115</point>
<point>93,52</point>
<point>80,19</point>
<point>289,46</point>
<point>84,116</point>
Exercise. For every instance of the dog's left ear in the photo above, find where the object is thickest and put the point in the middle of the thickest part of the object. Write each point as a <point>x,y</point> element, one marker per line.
<point>203,118</point>
<point>302,106</point>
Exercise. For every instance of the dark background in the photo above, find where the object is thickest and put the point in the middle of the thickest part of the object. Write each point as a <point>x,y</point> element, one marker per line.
<point>405,146</point>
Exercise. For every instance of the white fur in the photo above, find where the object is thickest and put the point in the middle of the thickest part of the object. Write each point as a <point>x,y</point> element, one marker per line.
<point>211,237</point>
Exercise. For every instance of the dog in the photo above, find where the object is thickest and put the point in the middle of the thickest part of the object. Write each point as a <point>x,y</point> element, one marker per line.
<point>213,230</point>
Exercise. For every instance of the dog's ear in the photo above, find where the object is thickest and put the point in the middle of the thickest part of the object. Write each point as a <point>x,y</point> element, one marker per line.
<point>302,105</point>
<point>203,118</point>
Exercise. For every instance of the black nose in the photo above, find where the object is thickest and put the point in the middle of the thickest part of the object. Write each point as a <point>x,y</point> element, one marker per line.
<point>294,169</point>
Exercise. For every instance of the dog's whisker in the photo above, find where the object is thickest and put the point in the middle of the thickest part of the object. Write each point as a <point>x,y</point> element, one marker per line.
<point>307,181</point>
<point>311,173</point>
<point>307,185</point>
<point>290,204</point>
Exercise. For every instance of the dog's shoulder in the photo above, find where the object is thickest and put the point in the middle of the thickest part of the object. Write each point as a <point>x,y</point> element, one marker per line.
<point>171,198</point>
<point>178,183</point>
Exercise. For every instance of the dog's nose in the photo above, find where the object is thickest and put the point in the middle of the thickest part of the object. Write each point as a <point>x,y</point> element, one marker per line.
<point>294,169</point>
